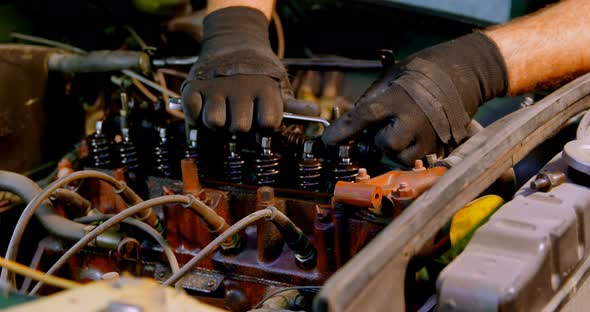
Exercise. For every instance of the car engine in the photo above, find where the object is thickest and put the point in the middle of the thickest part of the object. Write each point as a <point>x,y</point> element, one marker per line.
<point>276,220</point>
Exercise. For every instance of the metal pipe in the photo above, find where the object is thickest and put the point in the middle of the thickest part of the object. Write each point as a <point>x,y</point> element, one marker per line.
<point>47,42</point>
<point>187,201</point>
<point>149,83</point>
<point>79,205</point>
<point>99,61</point>
<point>336,64</point>
<point>57,225</point>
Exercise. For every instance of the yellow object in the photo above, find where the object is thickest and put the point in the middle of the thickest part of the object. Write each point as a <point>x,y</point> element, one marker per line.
<point>37,275</point>
<point>473,214</point>
<point>121,294</point>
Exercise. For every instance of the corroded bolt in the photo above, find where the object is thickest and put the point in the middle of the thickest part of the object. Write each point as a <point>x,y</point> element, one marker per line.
<point>362,175</point>
<point>265,194</point>
<point>418,165</point>
<point>545,181</point>
<point>404,190</point>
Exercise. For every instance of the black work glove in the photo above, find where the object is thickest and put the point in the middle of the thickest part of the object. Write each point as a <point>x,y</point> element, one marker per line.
<point>238,77</point>
<point>427,100</point>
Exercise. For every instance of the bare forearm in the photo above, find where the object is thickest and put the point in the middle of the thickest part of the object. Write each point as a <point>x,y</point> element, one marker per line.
<point>265,6</point>
<point>546,48</point>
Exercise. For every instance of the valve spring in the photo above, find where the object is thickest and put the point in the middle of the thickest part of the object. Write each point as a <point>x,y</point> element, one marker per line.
<point>295,140</point>
<point>233,164</point>
<point>309,169</point>
<point>128,153</point>
<point>267,165</point>
<point>100,149</point>
<point>162,156</point>
<point>345,169</point>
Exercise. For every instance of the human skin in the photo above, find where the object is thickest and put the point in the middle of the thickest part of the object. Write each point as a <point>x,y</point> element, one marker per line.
<point>546,48</point>
<point>265,6</point>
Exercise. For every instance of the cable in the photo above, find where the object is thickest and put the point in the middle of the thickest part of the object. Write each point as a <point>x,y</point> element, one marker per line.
<point>274,293</point>
<point>148,82</point>
<point>173,72</point>
<point>37,275</point>
<point>172,261</point>
<point>143,227</point>
<point>47,42</point>
<point>276,19</point>
<point>187,201</point>
<point>38,200</point>
<point>218,241</point>
<point>53,43</point>
<point>159,77</point>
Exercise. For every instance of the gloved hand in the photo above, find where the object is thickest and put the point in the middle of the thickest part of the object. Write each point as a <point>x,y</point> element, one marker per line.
<point>428,100</point>
<point>238,77</point>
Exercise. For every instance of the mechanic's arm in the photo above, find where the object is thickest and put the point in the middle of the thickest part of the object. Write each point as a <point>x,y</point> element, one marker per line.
<point>264,6</point>
<point>429,100</point>
<point>238,81</point>
<point>547,48</point>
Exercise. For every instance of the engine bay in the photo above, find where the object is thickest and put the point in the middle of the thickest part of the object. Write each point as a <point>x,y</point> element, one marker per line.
<point>276,220</point>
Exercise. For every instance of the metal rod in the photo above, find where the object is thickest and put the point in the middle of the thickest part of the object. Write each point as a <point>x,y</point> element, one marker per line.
<point>48,42</point>
<point>148,82</point>
<point>342,64</point>
<point>306,118</point>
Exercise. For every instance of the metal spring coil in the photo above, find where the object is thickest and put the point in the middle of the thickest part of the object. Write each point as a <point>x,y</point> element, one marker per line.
<point>345,172</point>
<point>128,155</point>
<point>233,169</point>
<point>267,170</point>
<point>162,157</point>
<point>309,174</point>
<point>100,151</point>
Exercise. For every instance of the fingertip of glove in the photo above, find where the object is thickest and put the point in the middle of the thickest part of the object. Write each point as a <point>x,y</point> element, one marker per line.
<point>243,126</point>
<point>331,135</point>
<point>192,104</point>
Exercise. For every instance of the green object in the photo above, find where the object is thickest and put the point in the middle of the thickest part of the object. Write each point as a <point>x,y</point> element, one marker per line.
<point>158,7</point>
<point>12,299</point>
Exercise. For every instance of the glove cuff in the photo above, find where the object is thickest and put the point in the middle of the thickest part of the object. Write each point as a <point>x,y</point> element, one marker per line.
<point>236,43</point>
<point>474,64</point>
<point>450,80</point>
<point>236,24</point>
